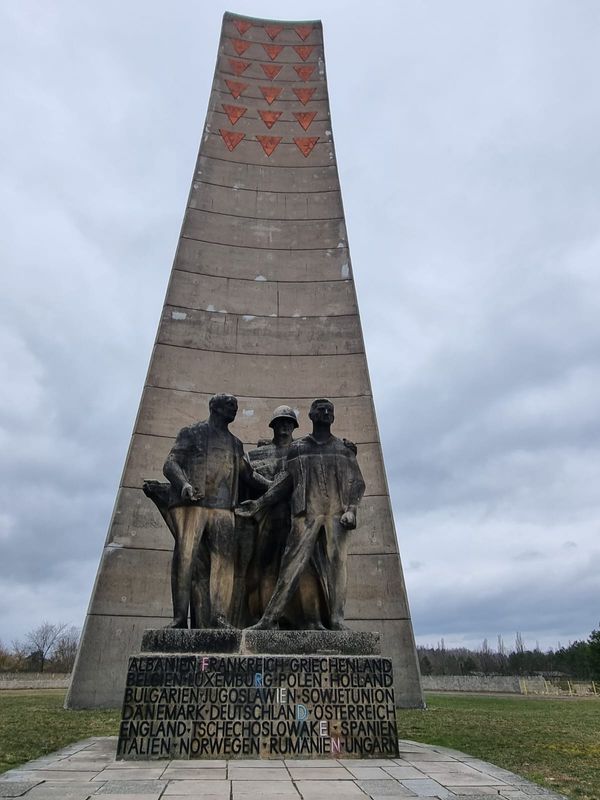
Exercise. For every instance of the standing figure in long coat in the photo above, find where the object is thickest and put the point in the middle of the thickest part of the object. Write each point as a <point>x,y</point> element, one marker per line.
<point>204,469</point>
<point>326,485</point>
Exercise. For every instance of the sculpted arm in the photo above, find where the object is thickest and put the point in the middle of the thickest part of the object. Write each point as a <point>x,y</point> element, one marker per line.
<point>252,478</point>
<point>356,489</point>
<point>173,469</point>
<point>278,490</point>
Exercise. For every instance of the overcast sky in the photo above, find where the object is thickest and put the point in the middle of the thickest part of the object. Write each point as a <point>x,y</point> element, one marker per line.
<point>468,142</point>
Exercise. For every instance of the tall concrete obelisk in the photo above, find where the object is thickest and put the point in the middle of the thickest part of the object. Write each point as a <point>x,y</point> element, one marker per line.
<point>261,303</point>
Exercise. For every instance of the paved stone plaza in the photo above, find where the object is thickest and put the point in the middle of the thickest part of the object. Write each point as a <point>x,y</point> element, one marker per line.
<point>88,769</point>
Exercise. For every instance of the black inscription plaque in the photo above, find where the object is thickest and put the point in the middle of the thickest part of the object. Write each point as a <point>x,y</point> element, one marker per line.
<point>265,706</point>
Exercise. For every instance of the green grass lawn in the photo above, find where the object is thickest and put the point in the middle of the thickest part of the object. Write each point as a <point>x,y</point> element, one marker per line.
<point>33,723</point>
<point>553,742</point>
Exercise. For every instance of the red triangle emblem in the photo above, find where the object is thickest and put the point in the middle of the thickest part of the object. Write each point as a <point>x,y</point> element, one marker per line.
<point>272,50</point>
<point>271,70</point>
<point>236,88</point>
<point>303,31</point>
<point>269,143</point>
<point>231,138</point>
<point>234,112</point>
<point>306,145</point>
<point>304,72</point>
<point>271,117</point>
<point>305,118</point>
<point>273,30</point>
<point>237,67</point>
<point>303,50</point>
<point>242,25</point>
<point>271,93</point>
<point>240,46</point>
<point>304,95</point>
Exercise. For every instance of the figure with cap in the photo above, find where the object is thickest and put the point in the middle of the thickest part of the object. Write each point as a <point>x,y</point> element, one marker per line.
<point>271,525</point>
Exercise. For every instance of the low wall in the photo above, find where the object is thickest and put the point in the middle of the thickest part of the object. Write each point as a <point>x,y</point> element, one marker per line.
<point>34,680</point>
<point>505,684</point>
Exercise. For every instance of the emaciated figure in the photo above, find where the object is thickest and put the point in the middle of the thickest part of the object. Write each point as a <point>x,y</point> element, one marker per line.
<point>204,469</point>
<point>325,483</point>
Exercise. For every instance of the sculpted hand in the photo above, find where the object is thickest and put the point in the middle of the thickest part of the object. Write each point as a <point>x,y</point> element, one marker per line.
<point>187,493</point>
<point>348,520</point>
<point>247,508</point>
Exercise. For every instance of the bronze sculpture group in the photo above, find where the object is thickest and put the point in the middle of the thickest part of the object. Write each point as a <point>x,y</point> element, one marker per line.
<point>261,539</point>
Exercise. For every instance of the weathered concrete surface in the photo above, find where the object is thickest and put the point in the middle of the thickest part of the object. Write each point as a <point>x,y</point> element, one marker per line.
<point>147,455</point>
<point>137,581</point>
<point>349,643</point>
<point>176,640</point>
<point>258,264</point>
<point>164,412</point>
<point>261,303</point>
<point>298,300</point>
<point>182,326</point>
<point>137,523</point>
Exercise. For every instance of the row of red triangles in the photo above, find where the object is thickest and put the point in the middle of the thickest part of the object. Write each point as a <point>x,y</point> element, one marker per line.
<point>304,71</point>
<point>304,118</point>
<point>272,31</point>
<point>268,143</point>
<point>273,50</point>
<point>270,93</point>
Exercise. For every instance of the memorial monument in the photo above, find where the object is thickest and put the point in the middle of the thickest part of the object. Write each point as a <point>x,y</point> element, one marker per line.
<point>338,701</point>
<point>261,305</point>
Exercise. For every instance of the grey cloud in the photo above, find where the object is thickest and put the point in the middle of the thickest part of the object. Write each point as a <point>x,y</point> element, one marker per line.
<point>467,139</point>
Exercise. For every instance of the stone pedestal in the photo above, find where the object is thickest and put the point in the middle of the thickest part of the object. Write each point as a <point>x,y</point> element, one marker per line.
<point>211,694</point>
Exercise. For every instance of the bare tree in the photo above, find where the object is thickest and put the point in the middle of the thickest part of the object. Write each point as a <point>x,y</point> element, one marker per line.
<point>43,640</point>
<point>65,650</point>
<point>486,658</point>
<point>7,660</point>
<point>20,651</point>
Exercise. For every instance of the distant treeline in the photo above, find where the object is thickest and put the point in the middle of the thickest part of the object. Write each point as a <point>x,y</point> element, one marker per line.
<point>577,660</point>
<point>49,647</point>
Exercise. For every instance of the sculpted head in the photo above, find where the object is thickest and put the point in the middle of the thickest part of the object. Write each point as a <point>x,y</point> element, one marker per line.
<point>283,421</point>
<point>321,411</point>
<point>224,406</point>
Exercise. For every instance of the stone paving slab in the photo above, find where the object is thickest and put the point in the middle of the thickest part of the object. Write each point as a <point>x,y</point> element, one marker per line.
<point>184,774</point>
<point>61,791</point>
<point>199,788</point>
<point>427,787</point>
<point>384,788</point>
<point>315,790</point>
<point>402,773</point>
<point>88,770</point>
<point>316,773</point>
<point>131,788</point>
<point>240,773</point>
<point>367,773</point>
<point>248,789</point>
<point>16,788</point>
